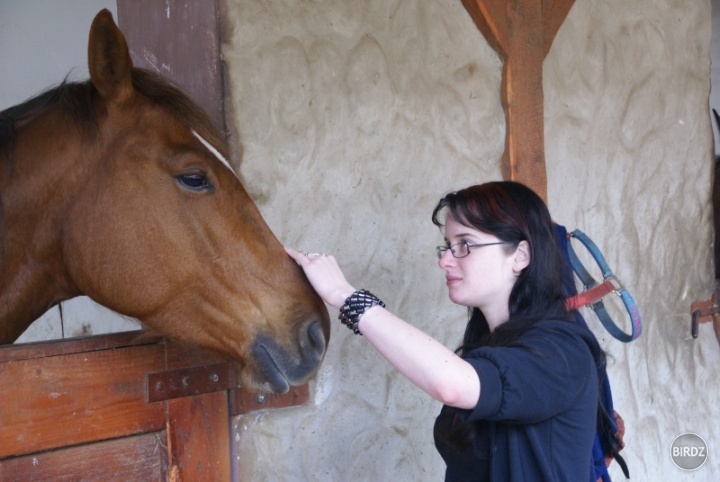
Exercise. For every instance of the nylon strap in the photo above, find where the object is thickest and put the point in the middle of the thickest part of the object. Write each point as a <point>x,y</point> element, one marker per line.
<point>594,291</point>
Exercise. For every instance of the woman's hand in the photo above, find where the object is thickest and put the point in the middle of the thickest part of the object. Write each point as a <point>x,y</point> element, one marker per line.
<point>423,360</point>
<point>325,275</point>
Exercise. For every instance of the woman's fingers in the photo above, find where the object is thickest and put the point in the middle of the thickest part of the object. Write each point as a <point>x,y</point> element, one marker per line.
<point>298,256</point>
<point>324,274</point>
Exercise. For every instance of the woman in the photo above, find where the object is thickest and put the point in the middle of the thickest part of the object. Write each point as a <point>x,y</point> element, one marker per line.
<point>520,395</point>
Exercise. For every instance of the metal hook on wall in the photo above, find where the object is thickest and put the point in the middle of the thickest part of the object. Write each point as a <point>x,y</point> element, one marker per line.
<point>704,312</point>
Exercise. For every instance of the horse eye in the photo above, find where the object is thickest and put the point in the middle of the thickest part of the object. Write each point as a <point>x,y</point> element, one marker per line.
<point>196,182</point>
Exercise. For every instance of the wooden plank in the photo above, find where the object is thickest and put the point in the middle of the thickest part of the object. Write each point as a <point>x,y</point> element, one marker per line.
<point>140,457</point>
<point>524,156</point>
<point>26,351</point>
<point>199,438</point>
<point>181,41</point>
<point>70,399</point>
<point>198,426</point>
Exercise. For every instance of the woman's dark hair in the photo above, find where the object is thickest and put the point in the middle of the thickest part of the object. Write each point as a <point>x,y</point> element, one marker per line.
<point>513,213</point>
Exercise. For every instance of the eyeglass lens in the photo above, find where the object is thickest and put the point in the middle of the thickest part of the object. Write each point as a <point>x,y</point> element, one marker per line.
<point>460,250</point>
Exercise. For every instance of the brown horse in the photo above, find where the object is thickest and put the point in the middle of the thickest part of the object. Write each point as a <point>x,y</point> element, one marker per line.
<point>118,188</point>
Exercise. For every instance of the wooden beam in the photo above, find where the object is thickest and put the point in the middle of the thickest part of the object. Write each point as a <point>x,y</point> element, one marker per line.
<point>181,41</point>
<point>521,32</point>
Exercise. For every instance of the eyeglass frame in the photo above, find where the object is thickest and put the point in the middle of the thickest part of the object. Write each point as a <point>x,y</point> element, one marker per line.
<point>441,250</point>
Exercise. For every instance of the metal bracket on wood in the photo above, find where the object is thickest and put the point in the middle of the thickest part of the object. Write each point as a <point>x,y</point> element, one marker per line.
<point>704,312</point>
<point>243,402</point>
<point>198,380</point>
<point>185,382</point>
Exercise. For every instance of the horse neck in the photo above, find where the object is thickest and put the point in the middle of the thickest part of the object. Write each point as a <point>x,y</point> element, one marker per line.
<point>36,189</point>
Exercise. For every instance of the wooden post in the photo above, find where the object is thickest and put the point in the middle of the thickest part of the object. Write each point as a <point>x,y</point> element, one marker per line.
<point>181,41</point>
<point>521,32</point>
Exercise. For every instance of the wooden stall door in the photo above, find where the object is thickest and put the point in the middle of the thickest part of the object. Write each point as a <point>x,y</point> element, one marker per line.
<point>80,410</point>
<point>120,407</point>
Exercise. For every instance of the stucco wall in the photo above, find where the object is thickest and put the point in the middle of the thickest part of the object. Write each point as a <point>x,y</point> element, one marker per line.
<point>355,117</point>
<point>630,156</point>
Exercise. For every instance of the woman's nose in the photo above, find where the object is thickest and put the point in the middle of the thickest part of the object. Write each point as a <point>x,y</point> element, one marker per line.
<point>446,260</point>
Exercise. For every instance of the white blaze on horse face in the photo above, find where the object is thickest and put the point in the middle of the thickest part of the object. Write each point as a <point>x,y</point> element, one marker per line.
<point>214,151</point>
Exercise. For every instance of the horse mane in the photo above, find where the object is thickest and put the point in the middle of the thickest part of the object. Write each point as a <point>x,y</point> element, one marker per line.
<point>76,101</point>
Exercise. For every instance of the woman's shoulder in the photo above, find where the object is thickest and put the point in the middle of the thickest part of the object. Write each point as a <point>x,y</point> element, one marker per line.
<point>571,331</point>
<point>550,335</point>
<point>545,338</point>
<point>561,327</point>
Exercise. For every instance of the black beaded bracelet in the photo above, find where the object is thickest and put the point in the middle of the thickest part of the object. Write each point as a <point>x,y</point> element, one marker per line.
<point>355,305</point>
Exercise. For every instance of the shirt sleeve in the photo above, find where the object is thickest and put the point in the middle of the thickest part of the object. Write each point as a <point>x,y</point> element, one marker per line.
<point>536,378</point>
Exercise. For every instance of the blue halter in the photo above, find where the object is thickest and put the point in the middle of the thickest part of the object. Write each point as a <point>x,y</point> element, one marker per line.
<point>594,291</point>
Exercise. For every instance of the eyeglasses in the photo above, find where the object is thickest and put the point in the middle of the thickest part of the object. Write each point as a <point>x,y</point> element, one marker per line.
<point>462,249</point>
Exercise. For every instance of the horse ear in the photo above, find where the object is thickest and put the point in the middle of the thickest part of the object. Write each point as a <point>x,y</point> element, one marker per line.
<point>109,59</point>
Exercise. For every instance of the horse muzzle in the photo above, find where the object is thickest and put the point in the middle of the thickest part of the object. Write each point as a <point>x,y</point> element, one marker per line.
<point>279,367</point>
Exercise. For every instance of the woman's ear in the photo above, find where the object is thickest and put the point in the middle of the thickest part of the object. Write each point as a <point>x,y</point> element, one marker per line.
<point>522,257</point>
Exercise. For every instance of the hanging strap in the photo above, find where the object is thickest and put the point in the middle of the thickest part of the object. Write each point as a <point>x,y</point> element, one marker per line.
<point>594,291</point>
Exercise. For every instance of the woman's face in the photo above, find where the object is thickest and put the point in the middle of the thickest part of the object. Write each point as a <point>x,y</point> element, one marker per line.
<point>484,278</point>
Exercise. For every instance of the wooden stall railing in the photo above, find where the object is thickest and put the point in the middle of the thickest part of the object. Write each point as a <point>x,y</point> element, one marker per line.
<point>121,407</point>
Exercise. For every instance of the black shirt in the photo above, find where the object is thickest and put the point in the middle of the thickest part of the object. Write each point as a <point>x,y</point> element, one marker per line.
<point>537,410</point>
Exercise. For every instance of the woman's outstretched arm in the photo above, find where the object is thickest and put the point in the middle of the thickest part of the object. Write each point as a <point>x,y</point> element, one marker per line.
<point>426,362</point>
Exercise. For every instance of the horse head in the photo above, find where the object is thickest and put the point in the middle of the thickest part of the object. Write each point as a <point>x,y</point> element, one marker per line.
<point>138,208</point>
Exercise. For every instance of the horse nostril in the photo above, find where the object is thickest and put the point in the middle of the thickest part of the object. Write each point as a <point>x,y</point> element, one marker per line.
<point>314,338</point>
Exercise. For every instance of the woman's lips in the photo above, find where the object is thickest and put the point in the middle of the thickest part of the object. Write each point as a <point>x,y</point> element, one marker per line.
<point>451,280</point>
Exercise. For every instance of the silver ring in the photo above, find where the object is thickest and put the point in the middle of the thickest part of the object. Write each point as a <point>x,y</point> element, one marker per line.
<point>313,255</point>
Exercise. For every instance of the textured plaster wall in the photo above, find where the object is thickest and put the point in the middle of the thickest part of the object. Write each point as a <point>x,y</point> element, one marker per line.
<point>630,154</point>
<point>355,117</point>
